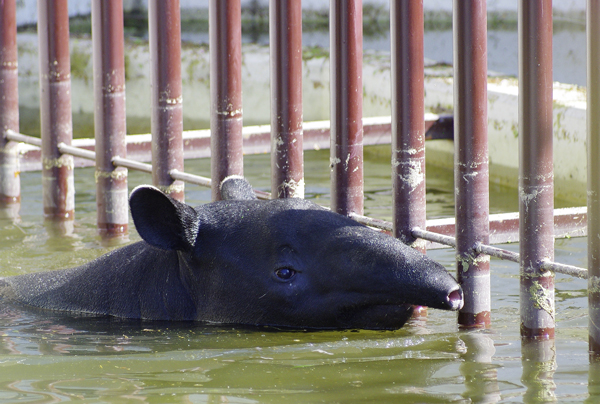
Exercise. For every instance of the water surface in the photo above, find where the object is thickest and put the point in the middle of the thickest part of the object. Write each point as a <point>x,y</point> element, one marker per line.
<point>45,357</point>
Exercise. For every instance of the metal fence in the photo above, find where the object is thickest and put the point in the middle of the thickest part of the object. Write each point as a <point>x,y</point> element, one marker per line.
<point>537,223</point>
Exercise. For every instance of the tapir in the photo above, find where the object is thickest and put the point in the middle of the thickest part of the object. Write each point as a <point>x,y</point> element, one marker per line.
<point>242,261</point>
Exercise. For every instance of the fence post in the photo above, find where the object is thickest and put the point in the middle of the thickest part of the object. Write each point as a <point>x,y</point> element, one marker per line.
<point>10,183</point>
<point>287,163</point>
<point>164,20</point>
<point>55,113</point>
<point>408,120</point>
<point>225,37</point>
<point>109,118</point>
<point>471,176</point>
<point>536,190</point>
<point>593,174</point>
<point>346,161</point>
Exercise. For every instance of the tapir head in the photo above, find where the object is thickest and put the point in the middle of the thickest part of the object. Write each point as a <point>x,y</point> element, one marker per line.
<point>289,262</point>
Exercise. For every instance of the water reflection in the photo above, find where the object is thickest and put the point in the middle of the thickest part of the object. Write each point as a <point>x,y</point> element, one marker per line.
<point>481,376</point>
<point>539,364</point>
<point>593,383</point>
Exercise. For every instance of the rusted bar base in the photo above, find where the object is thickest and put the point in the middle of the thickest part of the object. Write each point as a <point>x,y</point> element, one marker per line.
<point>471,175</point>
<point>55,109</point>
<point>287,162</point>
<point>164,33</point>
<point>10,183</point>
<point>536,191</point>
<point>109,119</point>
<point>346,161</point>
<point>593,175</point>
<point>225,36</point>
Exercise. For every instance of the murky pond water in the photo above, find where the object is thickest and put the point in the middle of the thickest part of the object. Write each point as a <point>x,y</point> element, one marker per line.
<point>50,358</point>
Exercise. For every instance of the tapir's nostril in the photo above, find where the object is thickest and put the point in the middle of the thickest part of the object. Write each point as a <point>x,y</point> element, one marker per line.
<point>455,299</point>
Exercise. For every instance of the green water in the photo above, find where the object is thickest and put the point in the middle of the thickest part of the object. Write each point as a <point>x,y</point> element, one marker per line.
<point>49,358</point>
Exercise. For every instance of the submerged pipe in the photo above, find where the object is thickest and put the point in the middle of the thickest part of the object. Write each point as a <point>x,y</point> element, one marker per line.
<point>536,189</point>
<point>593,174</point>
<point>58,192</point>
<point>225,36</point>
<point>346,161</point>
<point>10,183</point>
<point>109,118</point>
<point>287,163</point>
<point>471,175</point>
<point>164,21</point>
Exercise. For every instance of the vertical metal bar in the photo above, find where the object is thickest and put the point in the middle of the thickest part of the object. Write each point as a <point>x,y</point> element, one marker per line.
<point>225,36</point>
<point>287,163</point>
<point>408,123</point>
<point>55,111</point>
<point>346,161</point>
<point>109,118</point>
<point>408,120</point>
<point>593,174</point>
<point>164,20</point>
<point>536,188</point>
<point>471,176</point>
<point>10,183</point>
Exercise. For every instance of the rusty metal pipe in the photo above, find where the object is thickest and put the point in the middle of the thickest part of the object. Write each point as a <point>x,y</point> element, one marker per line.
<point>225,36</point>
<point>287,162</point>
<point>593,174</point>
<point>536,190</point>
<point>109,119</point>
<point>164,20</point>
<point>471,175</point>
<point>58,191</point>
<point>10,183</point>
<point>408,120</point>
<point>346,161</point>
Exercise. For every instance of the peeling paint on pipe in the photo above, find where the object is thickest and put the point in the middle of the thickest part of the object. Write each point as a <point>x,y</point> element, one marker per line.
<point>287,163</point>
<point>536,202</point>
<point>345,30</point>
<point>471,173</point>
<point>109,118</point>
<point>58,191</point>
<point>408,123</point>
<point>10,182</point>
<point>164,32</point>
<point>225,36</point>
<point>593,174</point>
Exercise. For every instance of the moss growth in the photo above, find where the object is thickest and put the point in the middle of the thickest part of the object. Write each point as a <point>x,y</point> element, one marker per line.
<point>79,64</point>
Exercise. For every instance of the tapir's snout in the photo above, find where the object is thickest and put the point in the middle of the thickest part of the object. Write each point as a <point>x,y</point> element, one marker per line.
<point>454,300</point>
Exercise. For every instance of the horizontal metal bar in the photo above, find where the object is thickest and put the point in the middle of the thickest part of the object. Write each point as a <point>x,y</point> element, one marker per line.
<point>497,252</point>
<point>19,137</point>
<point>570,270</point>
<point>434,237</point>
<point>191,178</point>
<point>196,143</point>
<point>132,164</point>
<point>564,269</point>
<point>76,151</point>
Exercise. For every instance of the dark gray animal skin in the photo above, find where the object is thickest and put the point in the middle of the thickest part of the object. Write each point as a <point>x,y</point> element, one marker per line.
<point>286,263</point>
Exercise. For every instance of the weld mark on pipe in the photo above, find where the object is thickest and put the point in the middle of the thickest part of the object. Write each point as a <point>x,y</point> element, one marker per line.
<point>62,161</point>
<point>114,174</point>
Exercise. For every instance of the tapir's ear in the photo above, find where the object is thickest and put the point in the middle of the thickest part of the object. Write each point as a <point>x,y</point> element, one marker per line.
<point>236,187</point>
<point>161,220</point>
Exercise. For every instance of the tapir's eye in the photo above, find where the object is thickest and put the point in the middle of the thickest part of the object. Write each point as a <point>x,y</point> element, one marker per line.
<point>285,274</point>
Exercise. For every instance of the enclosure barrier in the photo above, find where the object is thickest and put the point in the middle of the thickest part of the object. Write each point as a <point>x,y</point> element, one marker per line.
<point>474,229</point>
